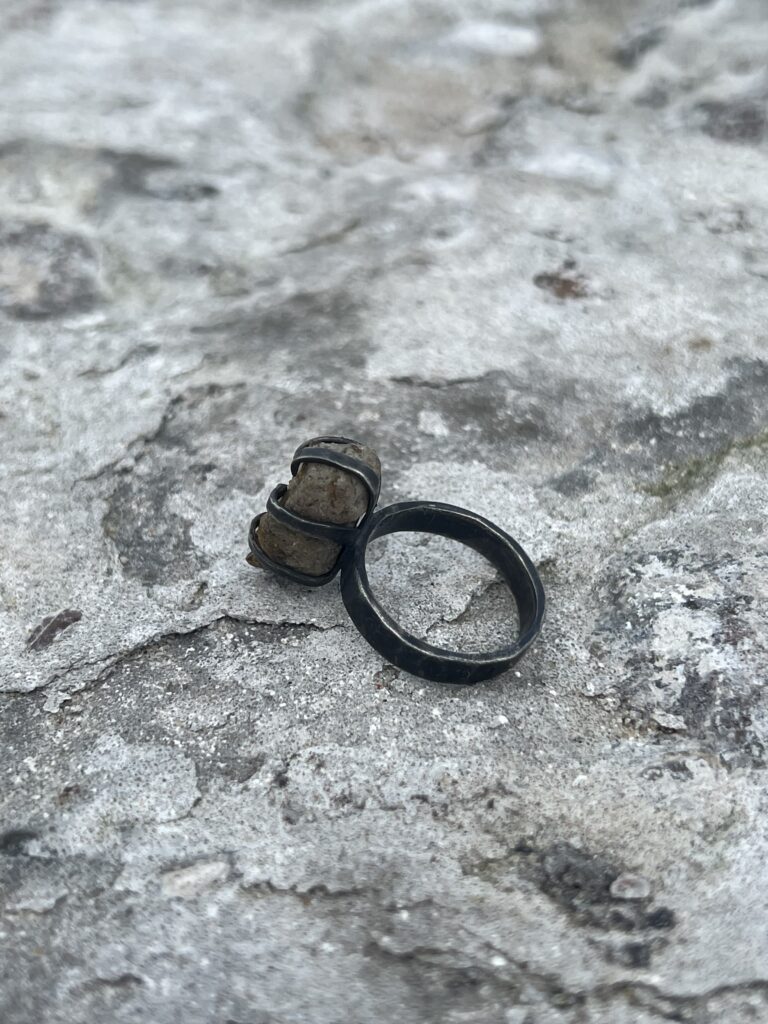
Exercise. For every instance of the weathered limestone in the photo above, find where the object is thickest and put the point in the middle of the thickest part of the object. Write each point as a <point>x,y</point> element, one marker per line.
<point>519,247</point>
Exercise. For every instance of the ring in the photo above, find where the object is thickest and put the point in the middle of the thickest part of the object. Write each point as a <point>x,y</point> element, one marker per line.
<point>346,495</point>
<point>399,646</point>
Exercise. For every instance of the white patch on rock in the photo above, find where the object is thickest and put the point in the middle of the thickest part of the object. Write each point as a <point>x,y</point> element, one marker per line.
<point>37,901</point>
<point>187,883</point>
<point>580,166</point>
<point>433,424</point>
<point>630,887</point>
<point>494,39</point>
<point>673,723</point>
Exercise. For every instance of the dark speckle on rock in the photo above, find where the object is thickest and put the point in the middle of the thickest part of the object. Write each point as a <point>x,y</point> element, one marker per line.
<point>154,177</point>
<point>700,345</point>
<point>630,50</point>
<point>562,284</point>
<point>655,97</point>
<point>46,272</point>
<point>737,121</point>
<point>45,632</point>
<point>320,332</point>
<point>635,954</point>
<point>661,918</point>
<point>133,169</point>
<point>597,893</point>
<point>573,482</point>
<point>14,842</point>
<point>577,879</point>
<point>152,541</point>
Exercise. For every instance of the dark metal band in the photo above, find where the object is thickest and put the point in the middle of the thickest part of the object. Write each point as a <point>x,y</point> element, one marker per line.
<point>399,646</point>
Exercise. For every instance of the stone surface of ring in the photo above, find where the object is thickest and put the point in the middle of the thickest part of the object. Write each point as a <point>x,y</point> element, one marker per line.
<point>307,523</point>
<point>321,524</point>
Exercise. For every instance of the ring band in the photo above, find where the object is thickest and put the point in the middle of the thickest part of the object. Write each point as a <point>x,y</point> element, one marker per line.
<point>375,624</point>
<point>399,646</point>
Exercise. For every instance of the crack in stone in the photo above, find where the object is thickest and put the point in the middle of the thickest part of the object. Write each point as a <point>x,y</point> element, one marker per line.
<point>638,993</point>
<point>304,896</point>
<point>131,356</point>
<point>466,612</point>
<point>140,441</point>
<point>156,640</point>
<point>112,661</point>
<point>138,445</point>
<point>437,385</point>
<point>125,980</point>
<point>328,238</point>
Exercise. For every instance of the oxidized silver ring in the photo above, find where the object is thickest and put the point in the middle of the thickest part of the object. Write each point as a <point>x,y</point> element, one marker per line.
<point>312,550</point>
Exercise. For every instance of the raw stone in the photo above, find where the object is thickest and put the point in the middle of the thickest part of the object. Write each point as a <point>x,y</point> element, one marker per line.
<point>324,494</point>
<point>520,247</point>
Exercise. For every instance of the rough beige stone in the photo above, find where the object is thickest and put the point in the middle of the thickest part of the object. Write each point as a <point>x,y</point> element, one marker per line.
<point>324,494</point>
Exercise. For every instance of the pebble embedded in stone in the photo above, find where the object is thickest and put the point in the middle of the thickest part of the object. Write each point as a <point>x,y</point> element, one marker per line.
<point>188,882</point>
<point>630,887</point>
<point>669,722</point>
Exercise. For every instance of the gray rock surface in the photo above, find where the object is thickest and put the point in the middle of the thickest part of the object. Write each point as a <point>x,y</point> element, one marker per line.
<point>521,249</point>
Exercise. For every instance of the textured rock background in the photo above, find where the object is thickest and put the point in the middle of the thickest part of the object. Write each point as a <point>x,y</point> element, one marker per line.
<point>519,247</point>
